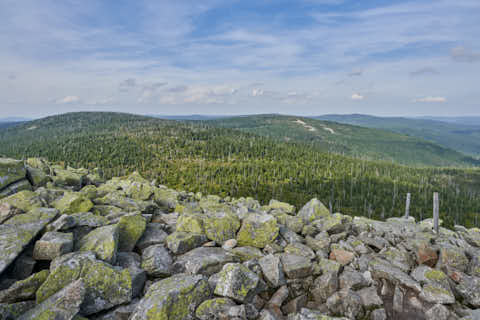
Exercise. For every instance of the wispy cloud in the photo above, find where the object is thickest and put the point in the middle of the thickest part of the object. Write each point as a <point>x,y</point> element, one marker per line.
<point>425,71</point>
<point>357,96</point>
<point>431,99</point>
<point>462,54</point>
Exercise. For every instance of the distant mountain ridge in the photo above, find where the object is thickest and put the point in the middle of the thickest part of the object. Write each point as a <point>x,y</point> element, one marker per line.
<point>349,139</point>
<point>454,135</point>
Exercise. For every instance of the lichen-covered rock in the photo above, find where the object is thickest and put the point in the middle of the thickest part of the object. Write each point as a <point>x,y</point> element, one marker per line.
<point>52,245</point>
<point>190,223</point>
<point>453,257</point>
<point>300,250</point>
<point>383,270</point>
<point>130,230</point>
<point>63,305</point>
<point>24,200</point>
<point>103,242</point>
<point>247,253</point>
<point>295,266</point>
<point>24,289</point>
<point>165,198</point>
<point>152,235</point>
<point>156,261</point>
<point>7,211</point>
<point>22,185</point>
<point>73,202</point>
<point>436,288</point>
<point>204,260</point>
<point>346,302</point>
<point>11,171</point>
<point>37,177</point>
<point>17,232</point>
<point>214,309</point>
<point>68,178</point>
<point>132,262</point>
<point>306,314</point>
<point>272,270</point>
<point>313,210</point>
<point>221,226</point>
<point>174,298</point>
<point>370,298</point>
<point>282,206</point>
<point>258,230</point>
<point>105,285</point>
<point>469,290</point>
<point>237,282</point>
<point>181,242</point>
<point>12,311</point>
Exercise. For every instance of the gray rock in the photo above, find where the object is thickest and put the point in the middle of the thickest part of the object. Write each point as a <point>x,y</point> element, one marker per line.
<point>24,289</point>
<point>378,314</point>
<point>7,211</point>
<point>11,171</point>
<point>436,287</point>
<point>132,261</point>
<point>300,249</point>
<point>52,245</point>
<point>237,282</point>
<point>324,286</point>
<point>152,235</point>
<point>205,260</point>
<point>17,232</point>
<point>105,286</point>
<point>383,270</point>
<point>353,280</point>
<point>346,302</point>
<point>296,266</point>
<point>63,305</point>
<point>313,210</point>
<point>103,242</point>
<point>176,297</point>
<point>370,299</point>
<point>214,309</point>
<point>437,312</point>
<point>181,242</point>
<point>119,313</point>
<point>15,310</point>
<point>272,270</point>
<point>156,261</point>
<point>469,290</point>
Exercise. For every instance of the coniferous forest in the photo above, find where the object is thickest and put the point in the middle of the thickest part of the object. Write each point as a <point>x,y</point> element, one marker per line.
<point>201,157</point>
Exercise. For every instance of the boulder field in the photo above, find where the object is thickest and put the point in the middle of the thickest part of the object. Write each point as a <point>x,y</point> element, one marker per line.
<point>75,246</point>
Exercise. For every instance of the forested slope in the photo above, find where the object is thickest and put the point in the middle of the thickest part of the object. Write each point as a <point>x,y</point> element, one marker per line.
<point>462,136</point>
<point>199,157</point>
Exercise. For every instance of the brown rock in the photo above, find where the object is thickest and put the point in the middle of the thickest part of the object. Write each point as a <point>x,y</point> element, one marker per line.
<point>343,257</point>
<point>427,256</point>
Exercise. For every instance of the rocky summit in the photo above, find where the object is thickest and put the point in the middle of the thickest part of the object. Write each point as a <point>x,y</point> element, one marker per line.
<point>75,246</point>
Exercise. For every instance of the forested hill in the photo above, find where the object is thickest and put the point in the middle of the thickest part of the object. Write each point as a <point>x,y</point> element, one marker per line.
<point>459,135</point>
<point>355,141</point>
<point>198,157</point>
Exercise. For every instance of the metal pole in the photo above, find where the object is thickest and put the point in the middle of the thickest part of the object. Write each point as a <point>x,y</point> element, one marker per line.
<point>435,211</point>
<point>407,206</point>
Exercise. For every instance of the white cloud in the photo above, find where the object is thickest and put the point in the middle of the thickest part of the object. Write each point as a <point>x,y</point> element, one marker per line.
<point>431,99</point>
<point>69,100</point>
<point>357,96</point>
<point>256,92</point>
<point>462,54</point>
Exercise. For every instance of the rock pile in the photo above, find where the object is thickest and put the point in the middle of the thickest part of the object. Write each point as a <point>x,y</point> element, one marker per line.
<point>73,246</point>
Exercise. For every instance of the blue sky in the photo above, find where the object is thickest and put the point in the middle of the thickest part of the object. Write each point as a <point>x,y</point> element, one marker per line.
<point>305,57</point>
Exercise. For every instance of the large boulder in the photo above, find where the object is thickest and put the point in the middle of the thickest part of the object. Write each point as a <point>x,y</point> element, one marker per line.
<point>105,286</point>
<point>73,202</point>
<point>156,261</point>
<point>221,226</point>
<point>52,245</point>
<point>313,210</point>
<point>174,298</point>
<point>24,289</point>
<point>64,305</point>
<point>103,242</point>
<point>11,171</point>
<point>237,282</point>
<point>24,200</point>
<point>17,232</point>
<point>131,229</point>
<point>181,242</point>
<point>204,260</point>
<point>258,230</point>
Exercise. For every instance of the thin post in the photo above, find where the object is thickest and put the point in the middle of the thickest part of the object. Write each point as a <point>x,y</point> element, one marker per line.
<point>435,211</point>
<point>407,206</point>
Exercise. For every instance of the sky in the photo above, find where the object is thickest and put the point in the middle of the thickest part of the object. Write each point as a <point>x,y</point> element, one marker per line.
<point>303,57</point>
